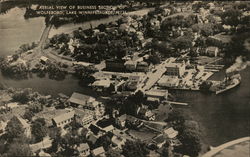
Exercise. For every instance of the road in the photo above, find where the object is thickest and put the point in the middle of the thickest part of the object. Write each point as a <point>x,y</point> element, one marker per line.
<point>153,77</point>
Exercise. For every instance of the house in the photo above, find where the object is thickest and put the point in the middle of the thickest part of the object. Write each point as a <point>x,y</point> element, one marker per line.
<point>130,65</point>
<point>168,81</point>
<point>44,59</point>
<point>77,99</point>
<point>159,140</point>
<point>12,105</point>
<point>83,150</point>
<point>101,85</point>
<point>92,138</point>
<point>170,132</point>
<point>175,69</point>
<point>63,119</point>
<point>2,127</point>
<point>157,94</point>
<point>43,154</point>
<point>121,121</point>
<point>98,152</point>
<point>91,104</point>
<point>212,51</point>
<point>83,117</point>
<point>118,141</point>
<point>26,126</point>
<point>145,113</point>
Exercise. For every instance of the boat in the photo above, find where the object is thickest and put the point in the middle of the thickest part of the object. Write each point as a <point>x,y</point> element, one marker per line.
<point>228,83</point>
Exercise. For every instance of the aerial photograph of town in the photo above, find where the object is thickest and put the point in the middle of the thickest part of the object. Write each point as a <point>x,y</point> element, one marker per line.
<point>124,78</point>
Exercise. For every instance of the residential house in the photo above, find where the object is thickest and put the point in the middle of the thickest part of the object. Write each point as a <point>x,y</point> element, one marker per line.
<point>175,69</point>
<point>83,117</point>
<point>170,132</point>
<point>26,127</point>
<point>101,85</point>
<point>145,113</point>
<point>83,150</point>
<point>98,152</point>
<point>121,121</point>
<point>212,51</point>
<point>2,127</point>
<point>44,59</point>
<point>63,119</point>
<point>92,138</point>
<point>118,142</point>
<point>43,154</point>
<point>91,104</point>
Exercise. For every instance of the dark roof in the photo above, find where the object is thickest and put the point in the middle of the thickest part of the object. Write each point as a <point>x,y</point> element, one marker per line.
<point>159,139</point>
<point>94,129</point>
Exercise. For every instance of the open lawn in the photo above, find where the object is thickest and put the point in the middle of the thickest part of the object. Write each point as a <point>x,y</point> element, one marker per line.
<point>143,134</point>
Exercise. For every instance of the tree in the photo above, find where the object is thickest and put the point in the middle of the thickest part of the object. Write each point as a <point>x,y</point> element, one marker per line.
<point>135,149</point>
<point>14,128</point>
<point>22,96</point>
<point>19,149</point>
<point>177,119</point>
<point>182,42</point>
<point>39,129</point>
<point>231,17</point>
<point>113,153</point>
<point>28,115</point>
<point>191,143</point>
<point>104,141</point>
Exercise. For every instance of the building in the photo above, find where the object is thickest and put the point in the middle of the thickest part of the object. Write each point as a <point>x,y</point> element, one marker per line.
<point>118,142</point>
<point>142,67</point>
<point>168,81</point>
<point>212,51</point>
<point>83,117</point>
<point>157,94</point>
<point>63,119</point>
<point>175,69</point>
<point>44,59</point>
<point>121,121</point>
<point>101,85</point>
<point>26,127</point>
<point>98,152</point>
<point>145,113</point>
<point>2,127</point>
<point>83,150</point>
<point>77,99</point>
<point>159,140</point>
<point>116,65</point>
<point>170,132</point>
<point>91,104</point>
<point>130,65</point>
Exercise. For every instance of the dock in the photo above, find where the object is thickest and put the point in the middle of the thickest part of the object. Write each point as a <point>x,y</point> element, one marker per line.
<point>177,103</point>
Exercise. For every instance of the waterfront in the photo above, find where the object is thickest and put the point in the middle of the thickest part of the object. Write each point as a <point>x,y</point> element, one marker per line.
<point>224,117</point>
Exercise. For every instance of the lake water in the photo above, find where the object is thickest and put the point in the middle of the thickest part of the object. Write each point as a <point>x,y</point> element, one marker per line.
<point>224,117</point>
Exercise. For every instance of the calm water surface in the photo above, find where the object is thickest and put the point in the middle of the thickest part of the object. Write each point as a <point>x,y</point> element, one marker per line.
<point>224,117</point>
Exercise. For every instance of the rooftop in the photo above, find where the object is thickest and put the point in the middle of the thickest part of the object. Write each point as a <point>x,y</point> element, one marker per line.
<point>64,116</point>
<point>98,151</point>
<point>83,146</point>
<point>78,98</point>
